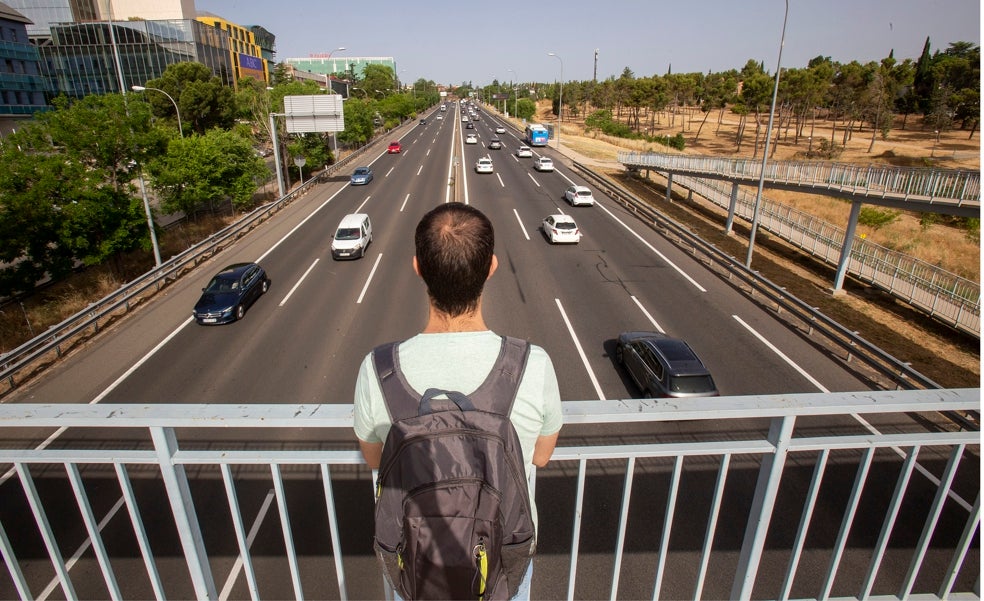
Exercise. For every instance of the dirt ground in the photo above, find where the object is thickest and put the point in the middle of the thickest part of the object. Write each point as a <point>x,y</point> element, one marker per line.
<point>950,358</point>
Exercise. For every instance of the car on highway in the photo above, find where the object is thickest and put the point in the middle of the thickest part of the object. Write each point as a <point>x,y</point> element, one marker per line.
<point>464,118</point>
<point>500,130</point>
<point>424,121</point>
<point>495,143</point>
<point>361,176</point>
<point>440,117</point>
<point>394,148</point>
<point>524,152</point>
<point>543,164</point>
<point>579,195</point>
<point>230,292</point>
<point>662,366</point>
<point>483,165</point>
<point>469,125</point>
<point>561,229</point>
<point>471,139</point>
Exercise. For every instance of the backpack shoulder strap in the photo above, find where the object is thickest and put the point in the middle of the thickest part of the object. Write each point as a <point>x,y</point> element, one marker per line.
<point>402,401</point>
<point>498,392</point>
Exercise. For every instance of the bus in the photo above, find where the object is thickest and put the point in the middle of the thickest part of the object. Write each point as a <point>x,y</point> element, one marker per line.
<point>536,135</point>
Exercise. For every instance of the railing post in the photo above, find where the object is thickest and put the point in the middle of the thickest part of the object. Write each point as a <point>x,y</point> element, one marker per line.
<point>760,515</point>
<point>183,509</point>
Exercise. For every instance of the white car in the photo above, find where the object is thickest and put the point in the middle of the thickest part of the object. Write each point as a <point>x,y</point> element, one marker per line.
<point>579,195</point>
<point>464,118</point>
<point>561,229</point>
<point>543,164</point>
<point>524,152</point>
<point>500,130</point>
<point>440,117</point>
<point>483,165</point>
<point>471,139</point>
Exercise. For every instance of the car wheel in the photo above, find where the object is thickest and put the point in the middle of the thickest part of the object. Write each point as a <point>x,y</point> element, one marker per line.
<point>265,287</point>
<point>620,354</point>
<point>240,312</point>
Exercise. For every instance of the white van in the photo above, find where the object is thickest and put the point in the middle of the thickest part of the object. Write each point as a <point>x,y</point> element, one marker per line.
<point>353,235</point>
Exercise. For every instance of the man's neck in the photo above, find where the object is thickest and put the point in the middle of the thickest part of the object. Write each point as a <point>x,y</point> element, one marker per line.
<point>439,322</point>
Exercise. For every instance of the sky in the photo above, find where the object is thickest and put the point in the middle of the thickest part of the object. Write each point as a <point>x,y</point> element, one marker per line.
<point>508,40</point>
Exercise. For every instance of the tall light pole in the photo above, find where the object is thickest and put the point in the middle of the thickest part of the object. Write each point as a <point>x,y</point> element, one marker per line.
<point>515,94</point>
<point>768,137</point>
<point>327,73</point>
<point>176,110</point>
<point>560,101</point>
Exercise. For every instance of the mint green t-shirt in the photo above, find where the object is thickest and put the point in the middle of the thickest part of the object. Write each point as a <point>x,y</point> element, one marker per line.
<point>461,361</point>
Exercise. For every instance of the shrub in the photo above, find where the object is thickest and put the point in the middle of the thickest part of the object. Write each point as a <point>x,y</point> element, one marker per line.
<point>876,218</point>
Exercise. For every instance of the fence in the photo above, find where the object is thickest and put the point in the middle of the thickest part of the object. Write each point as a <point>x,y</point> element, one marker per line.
<point>947,297</point>
<point>787,496</point>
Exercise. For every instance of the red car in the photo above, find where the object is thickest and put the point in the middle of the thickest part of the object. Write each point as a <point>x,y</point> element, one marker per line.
<point>394,148</point>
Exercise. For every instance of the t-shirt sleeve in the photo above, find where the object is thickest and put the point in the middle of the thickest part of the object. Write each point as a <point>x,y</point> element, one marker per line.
<point>364,414</point>
<point>553,417</point>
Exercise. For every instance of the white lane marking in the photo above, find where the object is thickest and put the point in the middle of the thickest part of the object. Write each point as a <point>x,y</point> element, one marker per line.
<point>402,206</point>
<point>580,351</point>
<point>648,316</point>
<point>359,208</point>
<point>82,549</point>
<point>420,169</point>
<point>782,355</point>
<point>390,171</point>
<point>534,179</point>
<point>652,248</point>
<point>521,226</point>
<point>428,152</point>
<point>369,279</point>
<point>301,224</point>
<point>500,180</point>
<point>867,425</point>
<point>236,567</point>
<point>299,281</point>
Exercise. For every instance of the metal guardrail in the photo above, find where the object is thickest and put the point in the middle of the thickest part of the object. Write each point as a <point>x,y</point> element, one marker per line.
<point>899,373</point>
<point>717,523</point>
<point>947,297</point>
<point>942,186</point>
<point>45,348</point>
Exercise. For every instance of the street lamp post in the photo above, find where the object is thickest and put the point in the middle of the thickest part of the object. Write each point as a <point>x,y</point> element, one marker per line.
<point>515,94</point>
<point>327,73</point>
<point>177,111</point>
<point>768,137</point>
<point>560,100</point>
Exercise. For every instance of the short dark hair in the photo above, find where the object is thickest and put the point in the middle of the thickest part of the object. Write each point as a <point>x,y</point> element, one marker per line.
<point>454,244</point>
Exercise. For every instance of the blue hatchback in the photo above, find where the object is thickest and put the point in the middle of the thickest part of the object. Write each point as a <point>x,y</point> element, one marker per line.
<point>361,176</point>
<point>230,293</point>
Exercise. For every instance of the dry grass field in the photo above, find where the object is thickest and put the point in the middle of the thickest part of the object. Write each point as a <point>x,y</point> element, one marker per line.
<point>950,358</point>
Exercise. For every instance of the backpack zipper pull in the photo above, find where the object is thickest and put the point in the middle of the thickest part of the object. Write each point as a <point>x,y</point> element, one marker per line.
<point>482,566</point>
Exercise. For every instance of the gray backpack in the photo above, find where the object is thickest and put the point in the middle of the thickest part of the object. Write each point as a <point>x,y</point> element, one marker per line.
<point>453,516</point>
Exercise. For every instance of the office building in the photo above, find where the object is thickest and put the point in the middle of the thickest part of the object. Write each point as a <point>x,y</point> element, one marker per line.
<point>22,86</point>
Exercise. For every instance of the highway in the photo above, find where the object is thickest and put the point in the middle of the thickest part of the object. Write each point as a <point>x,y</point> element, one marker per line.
<point>303,341</point>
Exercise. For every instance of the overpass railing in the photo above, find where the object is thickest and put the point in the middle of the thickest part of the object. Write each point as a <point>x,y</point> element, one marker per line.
<point>941,185</point>
<point>945,296</point>
<point>853,495</point>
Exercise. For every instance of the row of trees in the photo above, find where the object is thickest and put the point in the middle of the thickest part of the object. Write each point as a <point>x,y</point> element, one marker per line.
<point>71,179</point>
<point>943,87</point>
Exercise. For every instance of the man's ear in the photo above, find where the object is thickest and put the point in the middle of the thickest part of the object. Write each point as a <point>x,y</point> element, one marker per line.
<point>492,267</point>
<point>416,268</point>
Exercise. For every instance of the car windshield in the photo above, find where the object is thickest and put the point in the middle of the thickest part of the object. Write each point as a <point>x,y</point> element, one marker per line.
<point>220,284</point>
<point>692,384</point>
<point>347,233</point>
<point>545,161</point>
<point>565,225</point>
<point>584,192</point>
<point>361,172</point>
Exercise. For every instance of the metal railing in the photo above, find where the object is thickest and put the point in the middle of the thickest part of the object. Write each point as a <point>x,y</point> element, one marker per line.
<point>945,296</point>
<point>789,507</point>
<point>942,186</point>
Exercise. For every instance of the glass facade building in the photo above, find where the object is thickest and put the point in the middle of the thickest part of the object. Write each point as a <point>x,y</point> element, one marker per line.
<point>93,58</point>
<point>352,66</point>
<point>23,88</point>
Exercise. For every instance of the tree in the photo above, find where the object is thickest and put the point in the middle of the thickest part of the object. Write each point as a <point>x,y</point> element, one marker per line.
<point>202,171</point>
<point>378,77</point>
<point>203,100</point>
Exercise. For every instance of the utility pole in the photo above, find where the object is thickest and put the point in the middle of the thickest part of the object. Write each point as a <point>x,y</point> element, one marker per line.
<point>595,79</point>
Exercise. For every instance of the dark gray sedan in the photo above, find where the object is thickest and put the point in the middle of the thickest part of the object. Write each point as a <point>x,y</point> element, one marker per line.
<point>662,366</point>
<point>230,293</point>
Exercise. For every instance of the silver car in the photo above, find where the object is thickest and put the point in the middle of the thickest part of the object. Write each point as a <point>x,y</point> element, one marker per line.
<point>543,164</point>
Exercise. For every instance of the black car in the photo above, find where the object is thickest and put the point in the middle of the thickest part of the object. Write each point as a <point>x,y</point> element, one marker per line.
<point>495,144</point>
<point>230,293</point>
<point>469,125</point>
<point>662,366</point>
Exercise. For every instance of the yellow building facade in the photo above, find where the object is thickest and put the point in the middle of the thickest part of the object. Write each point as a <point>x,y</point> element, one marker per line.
<point>245,53</point>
